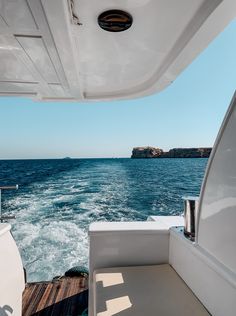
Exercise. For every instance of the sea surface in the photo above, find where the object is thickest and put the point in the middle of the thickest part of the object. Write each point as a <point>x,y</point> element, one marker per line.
<point>58,199</point>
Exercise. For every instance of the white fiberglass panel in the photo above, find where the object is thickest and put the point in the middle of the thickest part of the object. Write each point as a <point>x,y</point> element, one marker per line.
<point>11,274</point>
<point>217,220</point>
<point>15,88</point>
<point>38,53</point>
<point>44,43</point>
<point>58,91</point>
<point>114,63</point>
<point>17,13</point>
<point>2,22</point>
<point>11,68</point>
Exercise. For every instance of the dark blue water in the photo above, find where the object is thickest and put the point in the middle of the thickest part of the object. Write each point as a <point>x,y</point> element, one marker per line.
<point>58,199</point>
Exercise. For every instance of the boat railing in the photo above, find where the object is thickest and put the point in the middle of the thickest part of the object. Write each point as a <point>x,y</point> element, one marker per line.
<point>190,216</point>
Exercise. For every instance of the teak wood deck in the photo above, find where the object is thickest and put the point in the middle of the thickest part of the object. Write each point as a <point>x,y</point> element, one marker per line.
<point>62,297</point>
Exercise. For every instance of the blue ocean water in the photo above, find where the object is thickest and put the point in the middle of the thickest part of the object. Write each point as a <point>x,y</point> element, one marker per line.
<point>58,199</point>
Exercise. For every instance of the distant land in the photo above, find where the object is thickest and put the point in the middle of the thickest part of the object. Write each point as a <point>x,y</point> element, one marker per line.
<point>153,152</point>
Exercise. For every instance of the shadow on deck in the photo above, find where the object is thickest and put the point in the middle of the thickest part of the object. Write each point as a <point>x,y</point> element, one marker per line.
<point>63,297</point>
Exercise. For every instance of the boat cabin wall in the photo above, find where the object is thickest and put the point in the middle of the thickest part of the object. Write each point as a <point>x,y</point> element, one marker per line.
<point>217,208</point>
<point>12,281</point>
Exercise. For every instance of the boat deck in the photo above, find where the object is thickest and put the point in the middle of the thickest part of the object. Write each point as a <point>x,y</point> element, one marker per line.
<point>62,297</point>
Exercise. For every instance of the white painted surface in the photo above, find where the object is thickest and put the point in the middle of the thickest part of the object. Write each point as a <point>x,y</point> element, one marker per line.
<point>4,228</point>
<point>146,243</point>
<point>212,283</point>
<point>154,290</point>
<point>113,63</point>
<point>168,221</point>
<point>106,228</point>
<point>11,274</point>
<point>40,46</point>
<point>217,209</point>
<point>126,244</point>
<point>29,59</point>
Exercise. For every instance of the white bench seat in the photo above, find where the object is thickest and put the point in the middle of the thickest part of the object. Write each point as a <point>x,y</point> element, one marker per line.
<point>155,290</point>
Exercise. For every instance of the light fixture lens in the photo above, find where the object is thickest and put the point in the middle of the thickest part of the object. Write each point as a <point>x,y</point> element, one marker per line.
<point>115,20</point>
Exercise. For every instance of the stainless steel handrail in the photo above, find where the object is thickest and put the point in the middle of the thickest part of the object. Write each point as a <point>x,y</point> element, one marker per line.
<point>10,187</point>
<point>6,217</point>
<point>190,216</point>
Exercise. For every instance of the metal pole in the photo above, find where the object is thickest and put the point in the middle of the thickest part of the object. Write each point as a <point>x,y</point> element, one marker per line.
<point>190,215</point>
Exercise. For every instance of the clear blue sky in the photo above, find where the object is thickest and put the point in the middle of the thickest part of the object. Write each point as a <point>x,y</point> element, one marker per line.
<point>186,114</point>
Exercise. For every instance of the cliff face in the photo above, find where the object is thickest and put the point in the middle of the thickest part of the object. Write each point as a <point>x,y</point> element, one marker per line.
<point>152,152</point>
<point>146,152</point>
<point>188,153</point>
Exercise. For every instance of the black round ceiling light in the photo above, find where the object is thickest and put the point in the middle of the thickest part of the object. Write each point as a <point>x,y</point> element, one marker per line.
<point>115,20</point>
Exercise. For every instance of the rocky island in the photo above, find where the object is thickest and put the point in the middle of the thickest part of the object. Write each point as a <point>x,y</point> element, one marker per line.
<point>153,152</point>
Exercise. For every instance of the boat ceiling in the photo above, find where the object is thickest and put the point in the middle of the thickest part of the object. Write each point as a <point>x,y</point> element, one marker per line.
<point>55,49</point>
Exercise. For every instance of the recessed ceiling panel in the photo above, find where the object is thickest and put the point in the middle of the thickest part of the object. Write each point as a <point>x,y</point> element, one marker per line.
<point>11,68</point>
<point>2,22</point>
<point>38,53</point>
<point>17,13</point>
<point>18,88</point>
<point>58,91</point>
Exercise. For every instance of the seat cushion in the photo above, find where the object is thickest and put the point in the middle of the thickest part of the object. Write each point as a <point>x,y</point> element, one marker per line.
<point>144,291</point>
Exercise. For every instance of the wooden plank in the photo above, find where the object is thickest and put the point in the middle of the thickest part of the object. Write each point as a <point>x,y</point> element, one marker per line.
<point>30,298</point>
<point>45,298</point>
<point>35,298</point>
<point>66,296</point>
<point>27,298</point>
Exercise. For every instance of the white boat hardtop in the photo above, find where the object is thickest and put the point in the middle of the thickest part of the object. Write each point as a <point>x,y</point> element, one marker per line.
<point>56,50</point>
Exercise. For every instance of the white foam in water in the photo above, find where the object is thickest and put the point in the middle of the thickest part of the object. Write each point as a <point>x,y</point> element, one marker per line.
<point>49,247</point>
<point>52,216</point>
<point>52,223</point>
